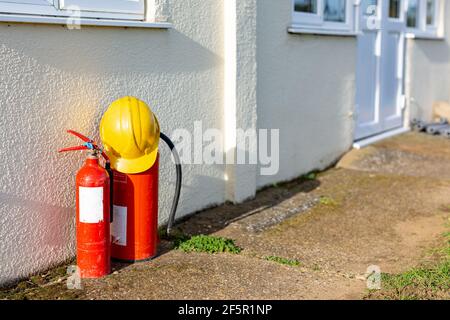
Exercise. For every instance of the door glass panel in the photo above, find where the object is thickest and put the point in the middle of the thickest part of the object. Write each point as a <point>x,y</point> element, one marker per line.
<point>431,12</point>
<point>334,10</point>
<point>367,79</point>
<point>369,7</point>
<point>412,13</point>
<point>309,6</point>
<point>390,83</point>
<point>394,9</point>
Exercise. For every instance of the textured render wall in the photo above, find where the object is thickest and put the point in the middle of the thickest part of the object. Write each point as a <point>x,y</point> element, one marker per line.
<point>52,79</point>
<point>428,72</point>
<point>306,88</point>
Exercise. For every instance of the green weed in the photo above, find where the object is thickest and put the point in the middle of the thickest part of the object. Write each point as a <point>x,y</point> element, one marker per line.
<point>208,244</point>
<point>280,260</point>
<point>327,201</point>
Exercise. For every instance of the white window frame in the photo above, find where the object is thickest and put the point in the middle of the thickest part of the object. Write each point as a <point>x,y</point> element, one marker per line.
<point>423,30</point>
<point>304,22</point>
<point>58,12</point>
<point>438,10</point>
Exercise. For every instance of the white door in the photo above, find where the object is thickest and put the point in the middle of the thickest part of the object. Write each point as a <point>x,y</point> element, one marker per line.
<point>380,67</point>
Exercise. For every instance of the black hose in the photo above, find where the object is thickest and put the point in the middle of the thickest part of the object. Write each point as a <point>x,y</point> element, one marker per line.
<point>176,197</point>
<point>111,191</point>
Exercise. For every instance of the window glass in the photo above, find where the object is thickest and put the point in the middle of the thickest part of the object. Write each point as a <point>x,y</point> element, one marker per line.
<point>119,6</point>
<point>309,6</point>
<point>37,2</point>
<point>325,16</point>
<point>334,10</point>
<point>394,9</point>
<point>412,14</point>
<point>107,9</point>
<point>431,12</point>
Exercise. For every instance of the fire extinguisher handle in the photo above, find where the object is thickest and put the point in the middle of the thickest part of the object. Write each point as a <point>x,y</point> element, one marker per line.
<point>79,135</point>
<point>77,148</point>
<point>90,144</point>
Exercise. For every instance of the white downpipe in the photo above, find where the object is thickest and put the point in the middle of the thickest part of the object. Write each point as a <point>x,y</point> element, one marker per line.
<point>230,92</point>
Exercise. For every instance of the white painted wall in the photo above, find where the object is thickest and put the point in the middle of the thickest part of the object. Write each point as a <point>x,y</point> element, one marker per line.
<point>428,72</point>
<point>53,79</point>
<point>306,88</point>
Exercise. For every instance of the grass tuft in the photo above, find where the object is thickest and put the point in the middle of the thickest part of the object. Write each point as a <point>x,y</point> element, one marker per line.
<point>208,244</point>
<point>310,176</point>
<point>423,282</point>
<point>327,201</point>
<point>280,260</point>
<point>418,283</point>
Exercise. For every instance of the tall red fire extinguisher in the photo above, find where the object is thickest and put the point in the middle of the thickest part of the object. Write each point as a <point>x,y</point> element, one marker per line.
<point>130,136</point>
<point>93,197</point>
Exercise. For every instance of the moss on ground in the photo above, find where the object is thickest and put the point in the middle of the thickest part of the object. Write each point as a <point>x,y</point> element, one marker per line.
<point>43,286</point>
<point>285,261</point>
<point>310,176</point>
<point>328,201</point>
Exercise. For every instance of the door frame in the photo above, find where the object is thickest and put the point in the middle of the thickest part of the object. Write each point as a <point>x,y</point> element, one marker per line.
<point>381,20</point>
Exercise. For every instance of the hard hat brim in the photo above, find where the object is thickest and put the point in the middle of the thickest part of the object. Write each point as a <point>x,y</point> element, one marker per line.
<point>134,166</point>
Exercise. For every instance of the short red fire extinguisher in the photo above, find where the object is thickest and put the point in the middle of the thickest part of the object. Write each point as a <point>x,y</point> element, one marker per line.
<point>93,216</point>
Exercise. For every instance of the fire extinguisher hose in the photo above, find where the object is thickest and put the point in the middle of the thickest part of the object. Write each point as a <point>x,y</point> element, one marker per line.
<point>176,197</point>
<point>111,189</point>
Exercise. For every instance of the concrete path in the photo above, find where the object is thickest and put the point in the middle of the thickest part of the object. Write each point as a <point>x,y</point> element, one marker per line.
<point>385,205</point>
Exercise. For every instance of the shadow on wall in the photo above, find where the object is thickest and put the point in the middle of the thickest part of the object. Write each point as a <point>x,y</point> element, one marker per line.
<point>110,50</point>
<point>306,88</point>
<point>200,187</point>
<point>66,78</point>
<point>96,65</point>
<point>56,219</point>
<point>428,62</point>
<point>435,51</point>
<point>25,248</point>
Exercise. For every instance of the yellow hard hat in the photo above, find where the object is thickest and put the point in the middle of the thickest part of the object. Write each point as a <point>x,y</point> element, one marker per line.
<point>130,135</point>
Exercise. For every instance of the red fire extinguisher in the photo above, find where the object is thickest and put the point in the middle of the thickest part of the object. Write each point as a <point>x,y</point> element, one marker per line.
<point>93,218</point>
<point>135,210</point>
<point>130,135</point>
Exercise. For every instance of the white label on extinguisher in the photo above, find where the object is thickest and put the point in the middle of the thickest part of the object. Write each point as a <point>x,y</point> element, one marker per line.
<point>91,204</point>
<point>119,226</point>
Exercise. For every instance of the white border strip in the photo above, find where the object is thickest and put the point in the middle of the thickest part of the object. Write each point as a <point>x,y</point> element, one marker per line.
<point>230,93</point>
<point>366,142</point>
<point>322,32</point>
<point>6,18</point>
